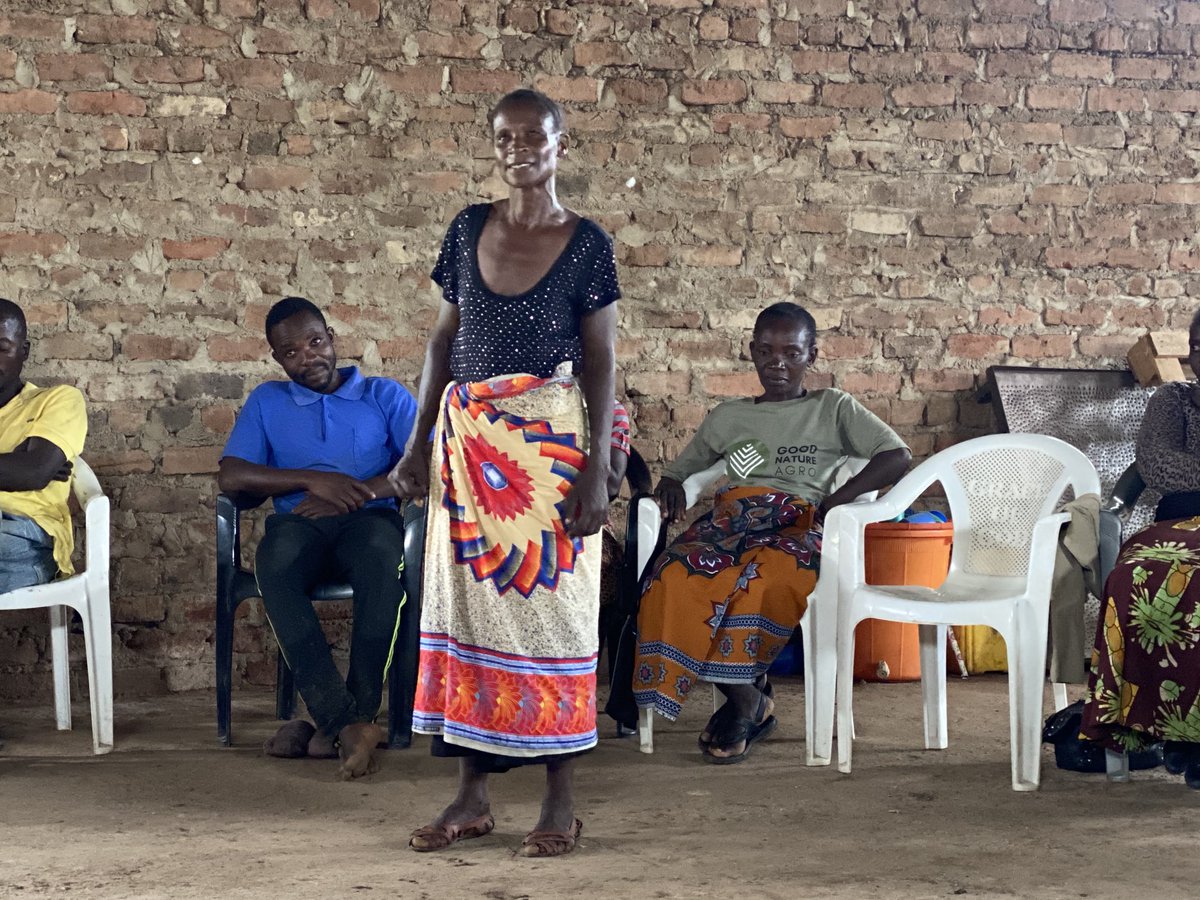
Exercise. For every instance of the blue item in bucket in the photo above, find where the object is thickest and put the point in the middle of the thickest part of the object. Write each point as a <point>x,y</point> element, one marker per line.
<point>926,518</point>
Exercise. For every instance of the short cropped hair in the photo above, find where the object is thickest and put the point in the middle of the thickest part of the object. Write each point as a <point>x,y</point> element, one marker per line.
<point>10,312</point>
<point>288,307</point>
<point>1195,322</point>
<point>530,97</point>
<point>789,314</point>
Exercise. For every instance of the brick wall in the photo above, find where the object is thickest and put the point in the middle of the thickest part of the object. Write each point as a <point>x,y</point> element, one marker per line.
<point>947,184</point>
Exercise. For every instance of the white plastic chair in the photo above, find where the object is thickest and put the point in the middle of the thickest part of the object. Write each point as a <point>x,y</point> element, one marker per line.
<point>818,624</point>
<point>1002,492</point>
<point>85,592</point>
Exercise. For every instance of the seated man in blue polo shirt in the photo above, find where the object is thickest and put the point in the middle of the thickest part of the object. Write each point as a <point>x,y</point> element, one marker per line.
<point>322,445</point>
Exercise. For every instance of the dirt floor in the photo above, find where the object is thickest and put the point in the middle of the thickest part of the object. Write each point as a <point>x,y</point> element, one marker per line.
<point>171,814</point>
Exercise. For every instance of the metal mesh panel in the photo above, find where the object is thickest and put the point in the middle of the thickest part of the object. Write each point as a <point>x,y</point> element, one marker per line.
<point>1007,493</point>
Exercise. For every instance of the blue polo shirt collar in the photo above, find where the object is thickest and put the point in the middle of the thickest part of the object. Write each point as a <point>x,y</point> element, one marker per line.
<point>352,387</point>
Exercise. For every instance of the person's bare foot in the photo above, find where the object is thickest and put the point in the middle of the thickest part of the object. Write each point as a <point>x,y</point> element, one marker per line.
<point>291,740</point>
<point>357,742</point>
<point>322,746</point>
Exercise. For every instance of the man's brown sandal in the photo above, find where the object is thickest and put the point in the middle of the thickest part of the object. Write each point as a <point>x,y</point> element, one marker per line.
<point>428,838</point>
<point>541,844</point>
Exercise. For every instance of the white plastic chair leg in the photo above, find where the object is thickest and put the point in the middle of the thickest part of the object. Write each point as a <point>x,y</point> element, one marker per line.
<point>97,633</point>
<point>845,693</point>
<point>933,685</point>
<point>1116,766</point>
<point>60,618</point>
<point>1060,696</point>
<point>820,677</point>
<point>1026,674</point>
<point>646,729</point>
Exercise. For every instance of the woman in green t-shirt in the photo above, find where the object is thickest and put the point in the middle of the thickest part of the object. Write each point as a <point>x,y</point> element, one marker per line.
<point>724,598</point>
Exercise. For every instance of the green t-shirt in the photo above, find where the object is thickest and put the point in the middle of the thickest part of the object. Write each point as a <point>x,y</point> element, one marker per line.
<point>789,445</point>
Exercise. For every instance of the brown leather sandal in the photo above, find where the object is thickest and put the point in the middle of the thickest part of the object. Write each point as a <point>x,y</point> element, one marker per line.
<point>542,844</point>
<point>428,838</point>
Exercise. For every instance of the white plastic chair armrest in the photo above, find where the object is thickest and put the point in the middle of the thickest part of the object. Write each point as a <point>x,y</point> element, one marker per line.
<point>1043,549</point>
<point>697,484</point>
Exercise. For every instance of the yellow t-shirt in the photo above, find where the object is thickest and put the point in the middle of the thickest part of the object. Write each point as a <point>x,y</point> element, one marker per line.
<point>57,415</point>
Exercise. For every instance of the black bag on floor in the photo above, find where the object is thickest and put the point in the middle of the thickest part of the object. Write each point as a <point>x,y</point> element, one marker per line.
<point>1080,755</point>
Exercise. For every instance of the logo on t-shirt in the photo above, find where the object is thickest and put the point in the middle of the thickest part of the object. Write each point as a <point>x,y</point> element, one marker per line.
<point>746,459</point>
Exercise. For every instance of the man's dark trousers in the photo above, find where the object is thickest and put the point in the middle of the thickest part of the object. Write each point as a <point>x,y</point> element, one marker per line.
<point>365,549</point>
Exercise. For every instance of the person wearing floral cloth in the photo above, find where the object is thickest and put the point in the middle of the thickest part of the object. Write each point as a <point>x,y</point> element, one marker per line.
<point>1145,681</point>
<point>725,596</point>
<point>519,378</point>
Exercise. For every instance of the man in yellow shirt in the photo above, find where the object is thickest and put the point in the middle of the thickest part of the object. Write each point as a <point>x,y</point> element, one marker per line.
<point>41,432</point>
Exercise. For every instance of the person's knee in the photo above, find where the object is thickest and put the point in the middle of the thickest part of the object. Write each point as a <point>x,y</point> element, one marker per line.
<point>380,542</point>
<point>282,550</point>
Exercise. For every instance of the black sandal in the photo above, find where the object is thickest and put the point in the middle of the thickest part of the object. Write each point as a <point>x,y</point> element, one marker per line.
<point>738,730</point>
<point>717,719</point>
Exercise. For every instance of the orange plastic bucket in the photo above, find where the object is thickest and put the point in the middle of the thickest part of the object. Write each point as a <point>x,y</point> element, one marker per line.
<point>899,553</point>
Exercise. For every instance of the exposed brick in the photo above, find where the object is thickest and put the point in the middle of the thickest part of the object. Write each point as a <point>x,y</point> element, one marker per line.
<point>106,246</point>
<point>414,80</point>
<point>820,62</point>
<point>639,91</point>
<point>1031,133</point>
<point>30,244</point>
<point>1060,194</point>
<point>69,345</point>
<point>1074,11</point>
<point>169,70</point>
<point>1177,193</point>
<point>196,248</point>
<point>780,92</point>
<point>1106,99</point>
<point>1042,346</point>
<point>190,460</point>
<point>31,27</point>
<point>483,81</point>
<point>731,384</point>
<point>932,130</point>
<point>710,256</point>
<point>1041,96</point>
<point>713,28</point>
<point>157,347</point>
<point>714,92</point>
<point>568,90</point>
<point>73,67</point>
<point>923,95</point>
<point>982,94</point>
<point>33,102</point>
<point>275,178</point>
<point>809,127</point>
<point>852,96</point>
<point>115,30</point>
<point>104,103</point>
<point>977,346</point>
<point>457,46</point>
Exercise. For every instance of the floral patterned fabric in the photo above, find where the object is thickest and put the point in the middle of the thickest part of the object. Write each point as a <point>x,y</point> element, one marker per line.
<point>1145,682</point>
<point>724,598</point>
<point>510,600</point>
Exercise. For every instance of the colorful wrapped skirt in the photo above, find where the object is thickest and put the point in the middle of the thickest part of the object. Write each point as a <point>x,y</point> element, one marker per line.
<point>510,601</point>
<point>1145,681</point>
<point>725,597</point>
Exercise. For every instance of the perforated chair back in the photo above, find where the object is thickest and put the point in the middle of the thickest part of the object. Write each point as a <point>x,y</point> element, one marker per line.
<point>996,496</point>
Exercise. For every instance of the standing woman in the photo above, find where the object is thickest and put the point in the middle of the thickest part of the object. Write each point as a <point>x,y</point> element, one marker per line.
<point>518,493</point>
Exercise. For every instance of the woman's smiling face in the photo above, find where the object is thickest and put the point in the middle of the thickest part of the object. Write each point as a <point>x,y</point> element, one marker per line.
<point>526,144</point>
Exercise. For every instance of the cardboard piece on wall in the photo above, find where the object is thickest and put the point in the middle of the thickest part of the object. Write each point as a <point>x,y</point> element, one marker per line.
<point>1155,357</point>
